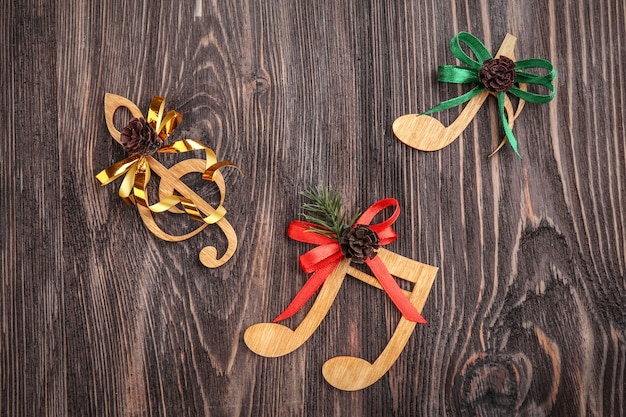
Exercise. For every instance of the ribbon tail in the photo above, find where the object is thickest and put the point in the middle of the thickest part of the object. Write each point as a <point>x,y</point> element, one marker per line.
<point>512,115</point>
<point>210,171</point>
<point>457,101</point>
<point>392,289</point>
<point>306,292</point>
<point>505,123</point>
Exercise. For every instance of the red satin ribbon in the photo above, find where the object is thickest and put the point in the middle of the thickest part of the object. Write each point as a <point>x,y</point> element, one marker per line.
<point>324,258</point>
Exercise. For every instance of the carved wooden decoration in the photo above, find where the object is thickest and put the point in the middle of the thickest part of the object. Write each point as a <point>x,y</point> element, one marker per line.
<point>347,372</point>
<point>170,184</point>
<point>426,133</point>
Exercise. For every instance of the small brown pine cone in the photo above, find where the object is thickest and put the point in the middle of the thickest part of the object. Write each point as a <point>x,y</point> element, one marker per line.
<point>138,137</point>
<point>359,243</point>
<point>497,74</point>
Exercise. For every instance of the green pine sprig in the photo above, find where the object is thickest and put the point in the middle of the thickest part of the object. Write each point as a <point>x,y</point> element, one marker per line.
<point>326,212</point>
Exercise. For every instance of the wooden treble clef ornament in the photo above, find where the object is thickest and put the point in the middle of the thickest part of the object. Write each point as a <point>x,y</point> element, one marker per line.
<point>143,138</point>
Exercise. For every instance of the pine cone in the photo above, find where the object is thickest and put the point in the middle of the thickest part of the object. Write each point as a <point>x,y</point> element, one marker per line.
<point>138,137</point>
<point>497,74</point>
<point>359,243</point>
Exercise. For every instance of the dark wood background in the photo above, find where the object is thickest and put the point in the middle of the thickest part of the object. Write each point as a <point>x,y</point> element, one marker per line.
<point>527,315</point>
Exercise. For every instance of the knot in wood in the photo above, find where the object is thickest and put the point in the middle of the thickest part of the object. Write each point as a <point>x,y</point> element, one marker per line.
<point>261,85</point>
<point>490,386</point>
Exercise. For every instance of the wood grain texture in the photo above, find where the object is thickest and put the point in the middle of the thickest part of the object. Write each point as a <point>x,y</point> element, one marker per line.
<point>527,315</point>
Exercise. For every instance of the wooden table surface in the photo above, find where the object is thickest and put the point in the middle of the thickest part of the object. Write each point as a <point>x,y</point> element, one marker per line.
<point>527,315</point>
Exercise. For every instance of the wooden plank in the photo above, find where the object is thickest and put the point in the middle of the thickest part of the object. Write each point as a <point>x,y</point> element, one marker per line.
<point>32,308</point>
<point>526,316</point>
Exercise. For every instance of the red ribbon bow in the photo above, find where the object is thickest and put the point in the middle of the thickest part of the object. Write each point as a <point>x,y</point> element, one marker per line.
<point>324,258</point>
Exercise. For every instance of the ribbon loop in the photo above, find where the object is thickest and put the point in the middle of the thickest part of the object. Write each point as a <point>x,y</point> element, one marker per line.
<point>456,74</point>
<point>475,45</point>
<point>116,170</point>
<point>301,231</point>
<point>457,101</point>
<point>163,126</point>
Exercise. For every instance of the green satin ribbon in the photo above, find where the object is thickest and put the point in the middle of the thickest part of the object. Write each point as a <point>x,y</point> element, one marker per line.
<point>459,74</point>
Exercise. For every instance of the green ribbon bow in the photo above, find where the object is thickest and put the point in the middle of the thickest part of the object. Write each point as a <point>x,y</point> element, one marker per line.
<point>469,74</point>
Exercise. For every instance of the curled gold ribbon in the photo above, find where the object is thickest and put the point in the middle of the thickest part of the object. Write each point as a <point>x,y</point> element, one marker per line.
<point>137,170</point>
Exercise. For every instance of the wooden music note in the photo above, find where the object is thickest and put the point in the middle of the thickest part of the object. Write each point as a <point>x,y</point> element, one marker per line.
<point>346,372</point>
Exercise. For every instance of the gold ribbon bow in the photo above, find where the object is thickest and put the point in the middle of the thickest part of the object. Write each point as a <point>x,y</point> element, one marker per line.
<point>137,169</point>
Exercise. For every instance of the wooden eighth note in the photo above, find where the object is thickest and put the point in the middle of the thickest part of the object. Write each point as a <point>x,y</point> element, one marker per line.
<point>170,180</point>
<point>425,133</point>
<point>348,373</point>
